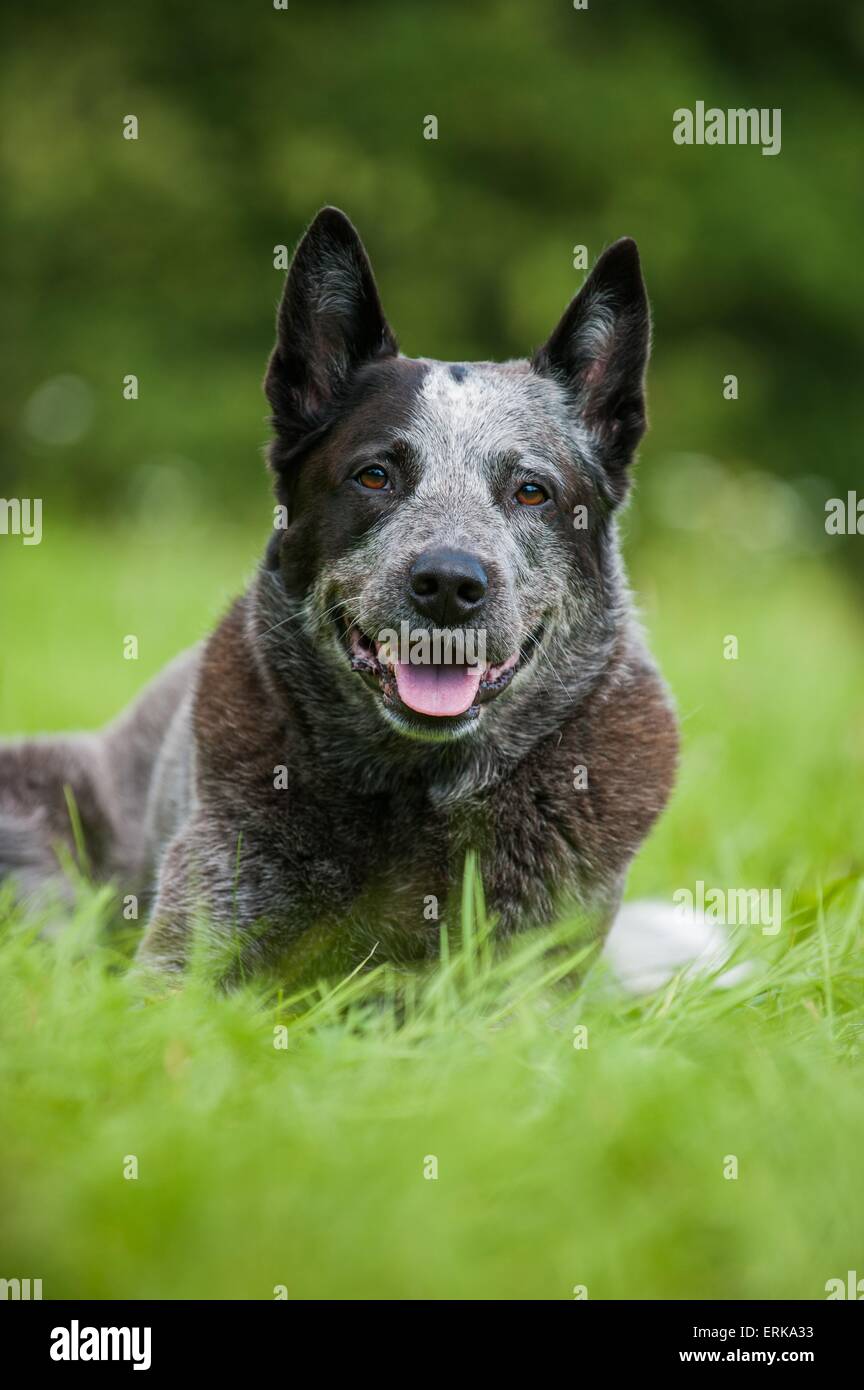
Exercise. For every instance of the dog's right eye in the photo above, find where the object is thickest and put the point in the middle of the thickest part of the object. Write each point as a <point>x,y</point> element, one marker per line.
<point>373,477</point>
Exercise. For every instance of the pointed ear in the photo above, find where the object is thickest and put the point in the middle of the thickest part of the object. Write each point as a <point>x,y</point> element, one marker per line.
<point>329,322</point>
<point>599,352</point>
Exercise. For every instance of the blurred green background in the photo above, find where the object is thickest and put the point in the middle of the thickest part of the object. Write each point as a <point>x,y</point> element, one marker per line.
<point>155,256</point>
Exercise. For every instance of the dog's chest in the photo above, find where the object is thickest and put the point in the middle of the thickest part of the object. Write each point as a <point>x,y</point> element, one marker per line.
<point>390,869</point>
<point>386,868</point>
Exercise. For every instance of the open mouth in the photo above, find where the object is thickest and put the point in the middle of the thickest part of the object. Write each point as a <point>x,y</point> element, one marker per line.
<point>432,691</point>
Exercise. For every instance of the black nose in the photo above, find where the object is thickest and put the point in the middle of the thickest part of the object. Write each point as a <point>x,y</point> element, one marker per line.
<point>448,586</point>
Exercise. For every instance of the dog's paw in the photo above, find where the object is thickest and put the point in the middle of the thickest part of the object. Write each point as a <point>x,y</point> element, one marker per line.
<point>649,942</point>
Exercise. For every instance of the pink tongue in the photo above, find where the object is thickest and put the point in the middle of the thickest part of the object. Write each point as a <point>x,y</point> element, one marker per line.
<point>439,690</point>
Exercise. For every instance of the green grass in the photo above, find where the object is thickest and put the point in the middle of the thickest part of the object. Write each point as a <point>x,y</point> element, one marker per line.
<point>558,1166</point>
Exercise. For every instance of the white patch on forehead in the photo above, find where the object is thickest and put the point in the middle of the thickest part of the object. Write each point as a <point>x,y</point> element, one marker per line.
<point>461,423</point>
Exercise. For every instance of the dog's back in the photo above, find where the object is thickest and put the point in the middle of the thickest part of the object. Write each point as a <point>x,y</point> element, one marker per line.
<point>116,794</point>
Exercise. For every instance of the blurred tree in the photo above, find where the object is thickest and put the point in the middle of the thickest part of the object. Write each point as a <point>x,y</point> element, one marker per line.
<point>155,256</point>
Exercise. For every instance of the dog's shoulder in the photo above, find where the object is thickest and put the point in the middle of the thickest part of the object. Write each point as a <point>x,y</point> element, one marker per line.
<point>237,721</point>
<point>618,755</point>
<point>590,791</point>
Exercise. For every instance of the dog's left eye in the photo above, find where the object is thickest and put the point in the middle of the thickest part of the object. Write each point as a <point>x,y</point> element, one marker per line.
<point>531,495</point>
<point>375,478</point>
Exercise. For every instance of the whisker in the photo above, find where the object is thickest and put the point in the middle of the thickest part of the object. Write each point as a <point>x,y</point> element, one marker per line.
<point>295,617</point>
<point>544,657</point>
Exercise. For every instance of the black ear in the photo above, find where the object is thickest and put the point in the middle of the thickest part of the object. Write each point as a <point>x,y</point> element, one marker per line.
<point>329,322</point>
<point>599,352</point>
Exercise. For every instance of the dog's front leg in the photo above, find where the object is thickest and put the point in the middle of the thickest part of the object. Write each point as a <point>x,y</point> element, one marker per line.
<point>215,898</point>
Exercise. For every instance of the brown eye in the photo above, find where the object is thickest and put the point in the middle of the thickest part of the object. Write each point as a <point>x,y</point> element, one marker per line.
<point>531,495</point>
<point>374,478</point>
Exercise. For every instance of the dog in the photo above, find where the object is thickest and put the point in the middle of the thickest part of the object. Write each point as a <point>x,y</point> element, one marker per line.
<point>311,777</point>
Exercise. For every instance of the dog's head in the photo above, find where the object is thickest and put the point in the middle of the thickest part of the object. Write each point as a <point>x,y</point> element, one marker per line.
<point>448,532</point>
